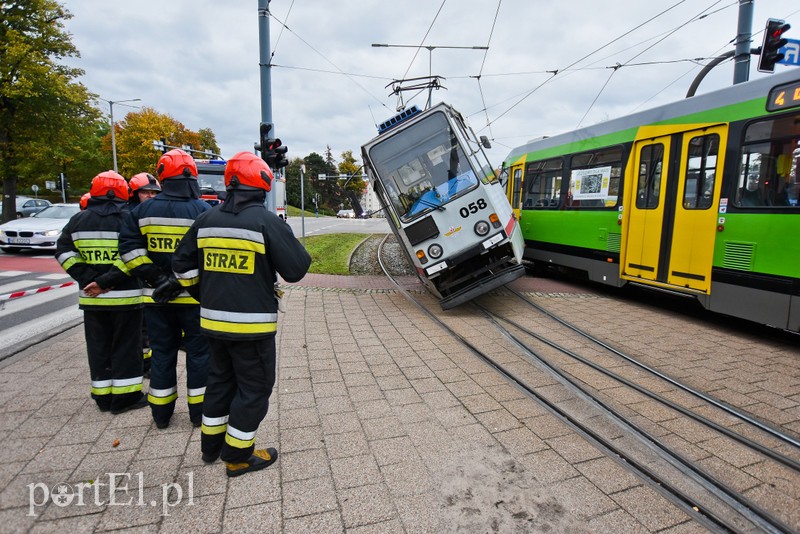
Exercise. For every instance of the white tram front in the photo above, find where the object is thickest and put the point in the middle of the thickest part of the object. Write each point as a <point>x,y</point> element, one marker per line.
<point>445,206</point>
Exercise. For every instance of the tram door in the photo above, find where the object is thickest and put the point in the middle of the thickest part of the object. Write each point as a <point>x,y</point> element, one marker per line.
<point>695,219</point>
<point>514,188</point>
<point>645,204</point>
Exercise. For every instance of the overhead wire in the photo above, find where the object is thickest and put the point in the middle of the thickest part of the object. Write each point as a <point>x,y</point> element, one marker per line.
<point>619,66</point>
<point>340,71</point>
<point>480,71</point>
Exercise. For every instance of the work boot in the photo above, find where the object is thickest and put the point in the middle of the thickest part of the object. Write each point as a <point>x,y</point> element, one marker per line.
<point>260,459</point>
<point>141,403</point>
<point>210,457</point>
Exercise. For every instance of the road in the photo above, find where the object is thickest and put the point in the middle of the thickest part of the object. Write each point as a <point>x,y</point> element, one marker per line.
<point>332,225</point>
<point>26,319</point>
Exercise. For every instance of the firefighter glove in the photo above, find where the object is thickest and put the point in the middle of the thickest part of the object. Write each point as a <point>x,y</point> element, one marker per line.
<point>167,289</point>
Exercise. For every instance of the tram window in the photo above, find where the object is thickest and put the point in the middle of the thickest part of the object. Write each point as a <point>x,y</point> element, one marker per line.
<point>768,171</point>
<point>517,185</point>
<point>594,179</point>
<point>648,187</point>
<point>701,172</point>
<point>542,184</point>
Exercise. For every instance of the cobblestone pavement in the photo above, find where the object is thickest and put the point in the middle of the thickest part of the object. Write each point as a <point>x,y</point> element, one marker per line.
<point>383,424</point>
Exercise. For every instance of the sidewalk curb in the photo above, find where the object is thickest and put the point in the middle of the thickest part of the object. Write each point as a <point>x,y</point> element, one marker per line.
<point>15,349</point>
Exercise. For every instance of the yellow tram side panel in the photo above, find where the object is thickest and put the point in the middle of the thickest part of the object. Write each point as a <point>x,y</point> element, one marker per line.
<point>694,231</point>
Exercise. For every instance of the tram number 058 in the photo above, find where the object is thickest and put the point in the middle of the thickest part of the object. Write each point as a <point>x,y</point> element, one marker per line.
<point>473,207</point>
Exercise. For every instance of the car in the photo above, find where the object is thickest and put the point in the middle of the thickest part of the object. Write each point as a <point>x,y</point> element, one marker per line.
<point>346,214</point>
<point>39,231</point>
<point>27,206</point>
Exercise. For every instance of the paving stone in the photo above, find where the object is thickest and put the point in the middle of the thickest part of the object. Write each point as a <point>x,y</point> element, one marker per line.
<point>257,519</point>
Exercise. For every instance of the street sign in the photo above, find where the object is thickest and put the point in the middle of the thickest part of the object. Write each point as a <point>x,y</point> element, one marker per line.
<point>791,52</point>
<point>50,185</point>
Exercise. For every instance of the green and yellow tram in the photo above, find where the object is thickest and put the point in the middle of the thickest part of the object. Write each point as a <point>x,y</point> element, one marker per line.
<point>698,197</point>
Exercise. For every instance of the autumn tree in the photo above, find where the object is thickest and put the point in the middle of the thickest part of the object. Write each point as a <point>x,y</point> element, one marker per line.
<point>44,114</point>
<point>137,131</point>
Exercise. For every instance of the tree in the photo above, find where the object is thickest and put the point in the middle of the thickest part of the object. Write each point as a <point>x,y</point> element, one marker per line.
<point>44,114</point>
<point>137,131</point>
<point>208,141</point>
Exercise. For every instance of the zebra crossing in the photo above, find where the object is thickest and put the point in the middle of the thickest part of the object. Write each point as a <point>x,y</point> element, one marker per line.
<point>34,312</point>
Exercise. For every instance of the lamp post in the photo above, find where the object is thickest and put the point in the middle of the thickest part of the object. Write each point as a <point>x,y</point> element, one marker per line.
<point>113,137</point>
<point>430,48</point>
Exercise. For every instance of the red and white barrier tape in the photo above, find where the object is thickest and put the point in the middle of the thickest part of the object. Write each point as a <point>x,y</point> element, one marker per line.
<point>18,294</point>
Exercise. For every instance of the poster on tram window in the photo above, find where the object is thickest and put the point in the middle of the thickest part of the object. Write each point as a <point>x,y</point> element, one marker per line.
<point>591,184</point>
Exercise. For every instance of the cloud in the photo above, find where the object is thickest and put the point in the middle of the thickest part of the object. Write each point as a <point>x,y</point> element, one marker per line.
<point>198,61</point>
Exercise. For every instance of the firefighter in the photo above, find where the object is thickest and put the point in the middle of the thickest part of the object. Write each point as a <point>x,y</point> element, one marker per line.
<point>228,260</point>
<point>148,240</point>
<point>87,250</point>
<point>143,186</point>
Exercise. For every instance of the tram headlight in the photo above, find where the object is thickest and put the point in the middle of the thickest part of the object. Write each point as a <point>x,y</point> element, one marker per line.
<point>482,228</point>
<point>435,251</point>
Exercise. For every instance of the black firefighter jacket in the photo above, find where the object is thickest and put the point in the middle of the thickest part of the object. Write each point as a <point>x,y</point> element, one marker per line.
<point>229,259</point>
<point>87,250</point>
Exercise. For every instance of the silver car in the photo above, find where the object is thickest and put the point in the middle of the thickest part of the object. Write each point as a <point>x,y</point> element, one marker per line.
<point>39,231</point>
<point>27,206</point>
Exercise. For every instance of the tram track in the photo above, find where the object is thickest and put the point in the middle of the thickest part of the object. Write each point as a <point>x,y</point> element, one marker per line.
<point>714,502</point>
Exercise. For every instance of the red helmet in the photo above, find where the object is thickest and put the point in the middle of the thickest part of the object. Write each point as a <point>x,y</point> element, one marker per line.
<point>84,200</point>
<point>144,181</point>
<point>176,164</point>
<point>109,184</point>
<point>247,169</point>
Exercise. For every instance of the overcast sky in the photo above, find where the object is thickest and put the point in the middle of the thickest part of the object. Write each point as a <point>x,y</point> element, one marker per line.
<point>198,61</point>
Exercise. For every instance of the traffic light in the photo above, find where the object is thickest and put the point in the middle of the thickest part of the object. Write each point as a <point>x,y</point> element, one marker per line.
<point>773,42</point>
<point>272,150</point>
<point>279,160</point>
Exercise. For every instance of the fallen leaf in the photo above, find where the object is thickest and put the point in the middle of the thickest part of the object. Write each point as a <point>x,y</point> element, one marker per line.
<point>116,443</point>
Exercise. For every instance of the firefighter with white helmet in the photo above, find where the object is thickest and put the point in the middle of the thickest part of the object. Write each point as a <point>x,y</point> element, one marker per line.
<point>229,260</point>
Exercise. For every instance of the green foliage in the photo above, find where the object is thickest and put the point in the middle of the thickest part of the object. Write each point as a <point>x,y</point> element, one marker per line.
<point>45,117</point>
<point>330,253</point>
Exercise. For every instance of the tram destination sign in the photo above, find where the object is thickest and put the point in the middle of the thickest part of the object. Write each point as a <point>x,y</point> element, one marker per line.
<point>784,96</point>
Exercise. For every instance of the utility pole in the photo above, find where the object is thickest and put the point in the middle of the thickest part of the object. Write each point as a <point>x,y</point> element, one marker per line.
<point>741,67</point>
<point>265,71</point>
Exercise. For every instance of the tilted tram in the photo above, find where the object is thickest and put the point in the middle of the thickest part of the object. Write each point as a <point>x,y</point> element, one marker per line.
<point>698,197</point>
<point>444,204</point>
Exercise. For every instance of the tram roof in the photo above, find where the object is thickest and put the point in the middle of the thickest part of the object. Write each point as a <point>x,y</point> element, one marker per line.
<point>735,94</point>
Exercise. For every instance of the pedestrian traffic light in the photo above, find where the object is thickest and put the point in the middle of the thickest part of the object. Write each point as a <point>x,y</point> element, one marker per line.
<point>773,42</point>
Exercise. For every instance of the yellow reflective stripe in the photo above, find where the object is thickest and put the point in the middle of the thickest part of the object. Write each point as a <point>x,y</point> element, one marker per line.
<point>70,262</point>
<point>101,387</point>
<point>238,328</point>
<point>213,430</point>
<point>96,301</point>
<point>239,439</point>
<point>96,243</point>
<point>230,243</point>
<point>162,396</point>
<point>163,230</point>
<point>136,262</point>
<point>189,282</point>
<point>214,425</point>
<point>148,299</point>
<point>119,390</point>
<point>119,264</point>
<point>146,354</point>
<point>195,396</point>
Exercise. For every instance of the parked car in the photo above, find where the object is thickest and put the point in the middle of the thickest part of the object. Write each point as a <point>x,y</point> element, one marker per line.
<point>41,230</point>
<point>346,214</point>
<point>27,206</point>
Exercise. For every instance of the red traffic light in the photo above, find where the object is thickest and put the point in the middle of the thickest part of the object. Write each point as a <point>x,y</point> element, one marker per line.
<point>773,42</point>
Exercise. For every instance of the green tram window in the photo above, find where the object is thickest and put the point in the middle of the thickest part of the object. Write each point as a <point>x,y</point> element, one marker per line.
<point>770,164</point>
<point>701,172</point>
<point>648,187</point>
<point>542,187</point>
<point>594,179</point>
<point>517,186</point>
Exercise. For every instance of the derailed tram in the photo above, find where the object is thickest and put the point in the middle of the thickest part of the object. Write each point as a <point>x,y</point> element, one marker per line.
<point>443,203</point>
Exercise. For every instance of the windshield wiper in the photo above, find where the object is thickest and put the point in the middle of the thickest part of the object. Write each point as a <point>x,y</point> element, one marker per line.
<point>431,204</point>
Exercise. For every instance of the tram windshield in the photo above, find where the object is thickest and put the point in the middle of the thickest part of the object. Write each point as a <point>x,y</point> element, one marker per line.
<point>423,167</point>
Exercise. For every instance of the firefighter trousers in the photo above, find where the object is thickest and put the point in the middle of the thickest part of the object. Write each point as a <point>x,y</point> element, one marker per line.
<point>115,356</point>
<point>165,326</point>
<point>240,381</point>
